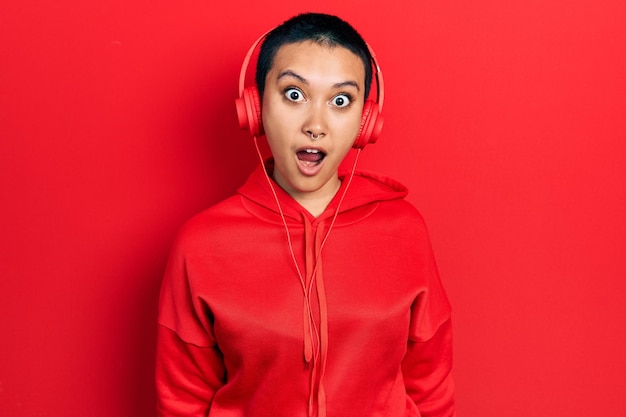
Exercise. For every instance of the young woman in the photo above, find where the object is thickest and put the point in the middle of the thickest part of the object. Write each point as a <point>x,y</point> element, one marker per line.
<point>310,292</point>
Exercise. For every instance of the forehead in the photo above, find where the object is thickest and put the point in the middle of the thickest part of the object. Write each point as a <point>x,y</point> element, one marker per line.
<point>310,58</point>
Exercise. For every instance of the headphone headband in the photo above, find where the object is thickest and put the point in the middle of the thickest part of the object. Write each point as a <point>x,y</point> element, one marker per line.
<point>246,62</point>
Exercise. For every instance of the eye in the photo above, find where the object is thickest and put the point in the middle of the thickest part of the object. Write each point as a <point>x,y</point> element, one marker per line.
<point>293,94</point>
<point>342,100</point>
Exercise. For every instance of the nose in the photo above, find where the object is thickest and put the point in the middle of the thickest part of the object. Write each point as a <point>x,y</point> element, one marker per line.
<point>315,124</point>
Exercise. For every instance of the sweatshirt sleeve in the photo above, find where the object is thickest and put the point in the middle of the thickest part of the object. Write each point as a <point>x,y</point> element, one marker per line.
<point>189,364</point>
<point>187,376</point>
<point>427,364</point>
<point>427,373</point>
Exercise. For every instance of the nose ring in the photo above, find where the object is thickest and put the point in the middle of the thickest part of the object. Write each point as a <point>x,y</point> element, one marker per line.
<point>315,137</point>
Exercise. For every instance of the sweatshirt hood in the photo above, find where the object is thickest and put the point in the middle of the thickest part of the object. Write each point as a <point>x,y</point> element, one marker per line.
<point>366,188</point>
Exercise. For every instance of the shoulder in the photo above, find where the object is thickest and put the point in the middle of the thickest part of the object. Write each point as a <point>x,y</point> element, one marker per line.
<point>402,215</point>
<point>210,223</point>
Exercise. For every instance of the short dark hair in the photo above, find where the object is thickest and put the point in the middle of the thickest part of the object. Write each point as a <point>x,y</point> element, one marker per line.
<point>320,28</point>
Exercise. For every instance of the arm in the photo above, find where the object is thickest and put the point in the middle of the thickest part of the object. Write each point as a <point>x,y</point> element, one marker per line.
<point>427,363</point>
<point>189,364</point>
<point>427,373</point>
<point>187,376</point>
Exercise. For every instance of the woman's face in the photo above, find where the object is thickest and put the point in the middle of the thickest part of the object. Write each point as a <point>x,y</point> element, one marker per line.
<point>312,91</point>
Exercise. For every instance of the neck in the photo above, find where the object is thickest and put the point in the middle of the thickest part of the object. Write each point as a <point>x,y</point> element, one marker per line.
<point>316,202</point>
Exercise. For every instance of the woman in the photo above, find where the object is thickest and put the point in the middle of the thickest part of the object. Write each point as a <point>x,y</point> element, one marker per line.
<point>310,292</point>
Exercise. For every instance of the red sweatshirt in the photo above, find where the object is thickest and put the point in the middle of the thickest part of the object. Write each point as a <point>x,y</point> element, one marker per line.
<point>360,327</point>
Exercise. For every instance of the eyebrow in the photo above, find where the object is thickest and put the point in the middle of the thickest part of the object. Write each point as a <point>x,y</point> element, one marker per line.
<point>290,73</point>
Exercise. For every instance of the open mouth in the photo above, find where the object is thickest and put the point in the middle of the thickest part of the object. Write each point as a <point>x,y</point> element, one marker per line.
<point>311,157</point>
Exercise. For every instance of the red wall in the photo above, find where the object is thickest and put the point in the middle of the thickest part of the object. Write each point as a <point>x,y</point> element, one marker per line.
<point>507,120</point>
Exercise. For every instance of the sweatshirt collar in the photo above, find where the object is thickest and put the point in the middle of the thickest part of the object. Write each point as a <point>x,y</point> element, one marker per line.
<point>366,188</point>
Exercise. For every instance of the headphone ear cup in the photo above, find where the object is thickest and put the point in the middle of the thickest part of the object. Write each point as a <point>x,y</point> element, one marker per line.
<point>249,111</point>
<point>371,125</point>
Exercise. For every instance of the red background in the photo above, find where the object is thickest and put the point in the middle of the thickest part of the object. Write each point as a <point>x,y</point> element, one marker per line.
<point>507,120</point>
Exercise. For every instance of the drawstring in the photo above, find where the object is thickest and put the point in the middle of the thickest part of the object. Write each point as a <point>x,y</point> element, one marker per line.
<point>321,293</point>
<point>309,323</point>
<point>310,328</point>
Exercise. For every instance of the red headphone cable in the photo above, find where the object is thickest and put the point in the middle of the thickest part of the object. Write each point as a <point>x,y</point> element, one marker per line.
<point>307,291</point>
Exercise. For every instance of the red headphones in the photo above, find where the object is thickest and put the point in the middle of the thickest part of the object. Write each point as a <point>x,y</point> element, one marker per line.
<point>249,105</point>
